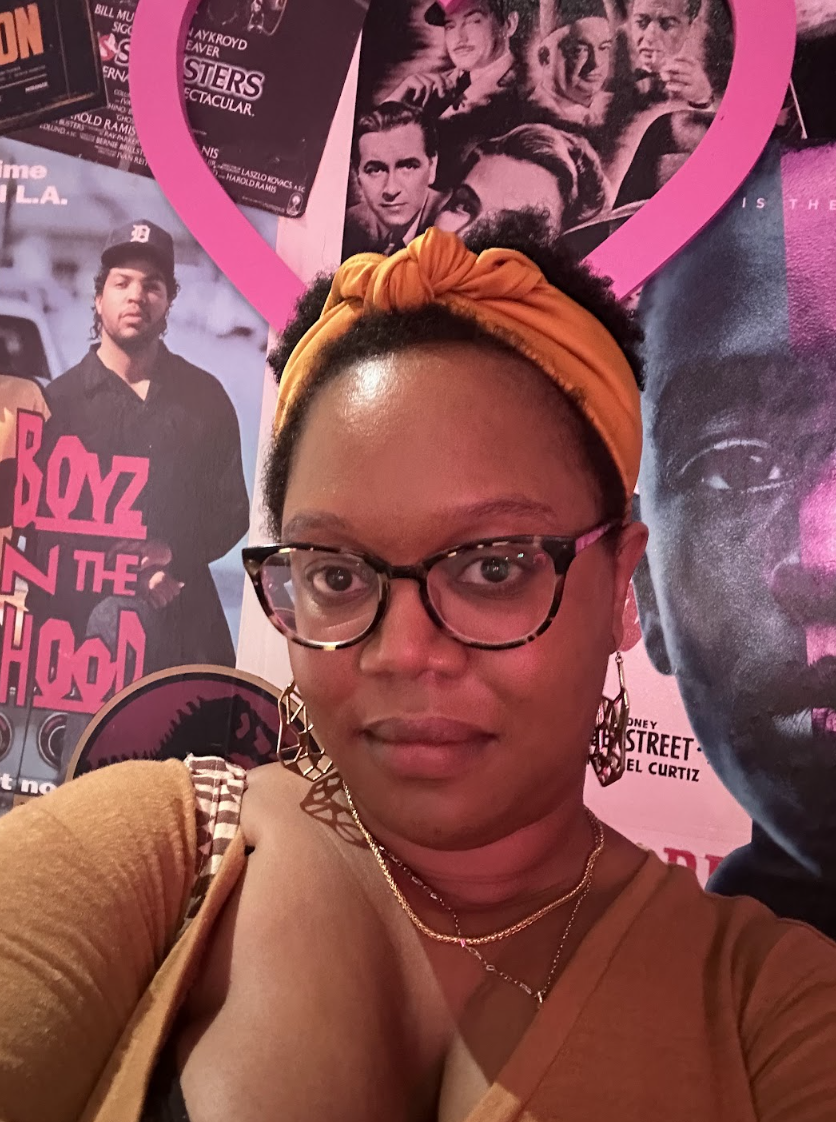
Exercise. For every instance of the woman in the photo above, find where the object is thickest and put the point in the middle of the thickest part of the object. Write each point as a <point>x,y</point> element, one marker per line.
<point>440,929</point>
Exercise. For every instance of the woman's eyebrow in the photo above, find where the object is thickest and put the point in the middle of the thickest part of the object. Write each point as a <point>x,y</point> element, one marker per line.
<point>512,506</point>
<point>307,520</point>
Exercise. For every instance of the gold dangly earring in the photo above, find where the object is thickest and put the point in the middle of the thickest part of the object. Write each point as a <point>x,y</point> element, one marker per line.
<point>297,748</point>
<point>607,750</point>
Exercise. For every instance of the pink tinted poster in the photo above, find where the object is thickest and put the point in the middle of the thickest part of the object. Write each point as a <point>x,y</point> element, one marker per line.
<point>732,749</point>
<point>131,375</point>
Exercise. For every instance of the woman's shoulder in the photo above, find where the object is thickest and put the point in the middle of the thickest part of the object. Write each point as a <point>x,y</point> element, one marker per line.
<point>773,978</point>
<point>274,796</point>
<point>121,834</point>
<point>132,796</point>
<point>737,936</point>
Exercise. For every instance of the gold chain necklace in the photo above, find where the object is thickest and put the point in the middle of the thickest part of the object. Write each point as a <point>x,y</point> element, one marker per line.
<point>538,995</point>
<point>469,942</point>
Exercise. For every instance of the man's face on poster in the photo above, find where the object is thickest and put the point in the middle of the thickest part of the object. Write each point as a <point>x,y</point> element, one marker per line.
<point>659,29</point>
<point>577,59</point>
<point>738,488</point>
<point>475,36</point>
<point>134,302</point>
<point>500,184</point>
<point>395,173</point>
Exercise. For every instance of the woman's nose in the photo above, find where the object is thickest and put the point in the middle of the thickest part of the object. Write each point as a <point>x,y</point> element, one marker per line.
<point>407,641</point>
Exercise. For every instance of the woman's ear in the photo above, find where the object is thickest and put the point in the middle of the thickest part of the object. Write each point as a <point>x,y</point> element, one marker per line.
<point>629,550</point>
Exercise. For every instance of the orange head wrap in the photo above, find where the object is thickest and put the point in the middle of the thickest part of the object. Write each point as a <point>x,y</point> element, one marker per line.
<point>507,296</point>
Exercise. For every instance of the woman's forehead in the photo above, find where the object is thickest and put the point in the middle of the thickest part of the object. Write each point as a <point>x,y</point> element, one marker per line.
<point>438,431</point>
<point>455,400</point>
<point>441,381</point>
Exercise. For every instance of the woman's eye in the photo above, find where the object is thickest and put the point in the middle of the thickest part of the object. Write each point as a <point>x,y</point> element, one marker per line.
<point>734,466</point>
<point>500,570</point>
<point>336,581</point>
<point>492,570</point>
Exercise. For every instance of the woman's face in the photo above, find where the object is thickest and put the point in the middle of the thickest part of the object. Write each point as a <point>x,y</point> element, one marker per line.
<point>414,453</point>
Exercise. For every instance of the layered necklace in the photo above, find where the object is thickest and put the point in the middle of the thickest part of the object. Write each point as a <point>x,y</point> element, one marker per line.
<point>469,943</point>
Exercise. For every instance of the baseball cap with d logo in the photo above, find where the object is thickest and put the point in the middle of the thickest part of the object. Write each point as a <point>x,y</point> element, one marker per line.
<point>144,238</point>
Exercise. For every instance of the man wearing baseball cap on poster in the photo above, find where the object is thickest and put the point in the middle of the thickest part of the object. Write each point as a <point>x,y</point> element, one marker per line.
<point>130,396</point>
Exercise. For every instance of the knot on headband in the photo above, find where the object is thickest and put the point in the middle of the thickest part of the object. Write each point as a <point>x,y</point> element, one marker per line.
<point>508,297</point>
<point>432,268</point>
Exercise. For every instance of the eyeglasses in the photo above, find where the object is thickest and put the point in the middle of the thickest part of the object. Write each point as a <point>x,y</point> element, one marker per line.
<point>493,594</point>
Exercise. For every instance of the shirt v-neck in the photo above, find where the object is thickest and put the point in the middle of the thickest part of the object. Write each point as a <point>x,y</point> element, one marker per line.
<point>541,1043</point>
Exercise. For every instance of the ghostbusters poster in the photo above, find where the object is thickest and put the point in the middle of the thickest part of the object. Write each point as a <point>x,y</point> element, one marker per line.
<point>258,108</point>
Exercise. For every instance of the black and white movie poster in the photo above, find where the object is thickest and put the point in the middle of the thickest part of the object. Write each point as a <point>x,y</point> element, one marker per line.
<point>49,61</point>
<point>261,81</point>
<point>580,109</point>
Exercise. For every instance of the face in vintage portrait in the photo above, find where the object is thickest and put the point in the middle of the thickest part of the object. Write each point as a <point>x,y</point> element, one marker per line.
<point>738,487</point>
<point>394,161</point>
<point>659,30</point>
<point>575,57</point>
<point>543,105</point>
<point>476,32</point>
<point>395,172</point>
<point>534,167</point>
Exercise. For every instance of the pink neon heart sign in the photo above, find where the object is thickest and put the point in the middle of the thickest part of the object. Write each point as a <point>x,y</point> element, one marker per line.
<point>764,47</point>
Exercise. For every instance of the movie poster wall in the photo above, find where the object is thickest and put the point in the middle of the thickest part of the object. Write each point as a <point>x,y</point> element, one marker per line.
<point>125,496</point>
<point>49,61</point>
<point>730,761</point>
<point>125,500</point>
<point>583,108</point>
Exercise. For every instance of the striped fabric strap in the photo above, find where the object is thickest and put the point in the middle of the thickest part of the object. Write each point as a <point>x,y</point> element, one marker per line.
<point>219,788</point>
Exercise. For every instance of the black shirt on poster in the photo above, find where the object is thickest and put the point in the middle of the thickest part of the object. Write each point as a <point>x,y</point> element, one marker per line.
<point>195,500</point>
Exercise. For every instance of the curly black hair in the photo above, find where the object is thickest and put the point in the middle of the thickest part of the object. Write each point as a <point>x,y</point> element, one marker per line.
<point>385,333</point>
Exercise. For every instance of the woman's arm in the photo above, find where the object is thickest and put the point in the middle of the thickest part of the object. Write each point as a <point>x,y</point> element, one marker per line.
<point>789,1030</point>
<point>94,883</point>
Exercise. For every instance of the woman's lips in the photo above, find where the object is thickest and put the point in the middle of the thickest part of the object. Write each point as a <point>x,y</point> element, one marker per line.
<point>426,747</point>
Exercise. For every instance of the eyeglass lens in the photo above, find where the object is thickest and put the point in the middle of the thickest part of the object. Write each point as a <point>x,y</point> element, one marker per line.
<point>496,594</point>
